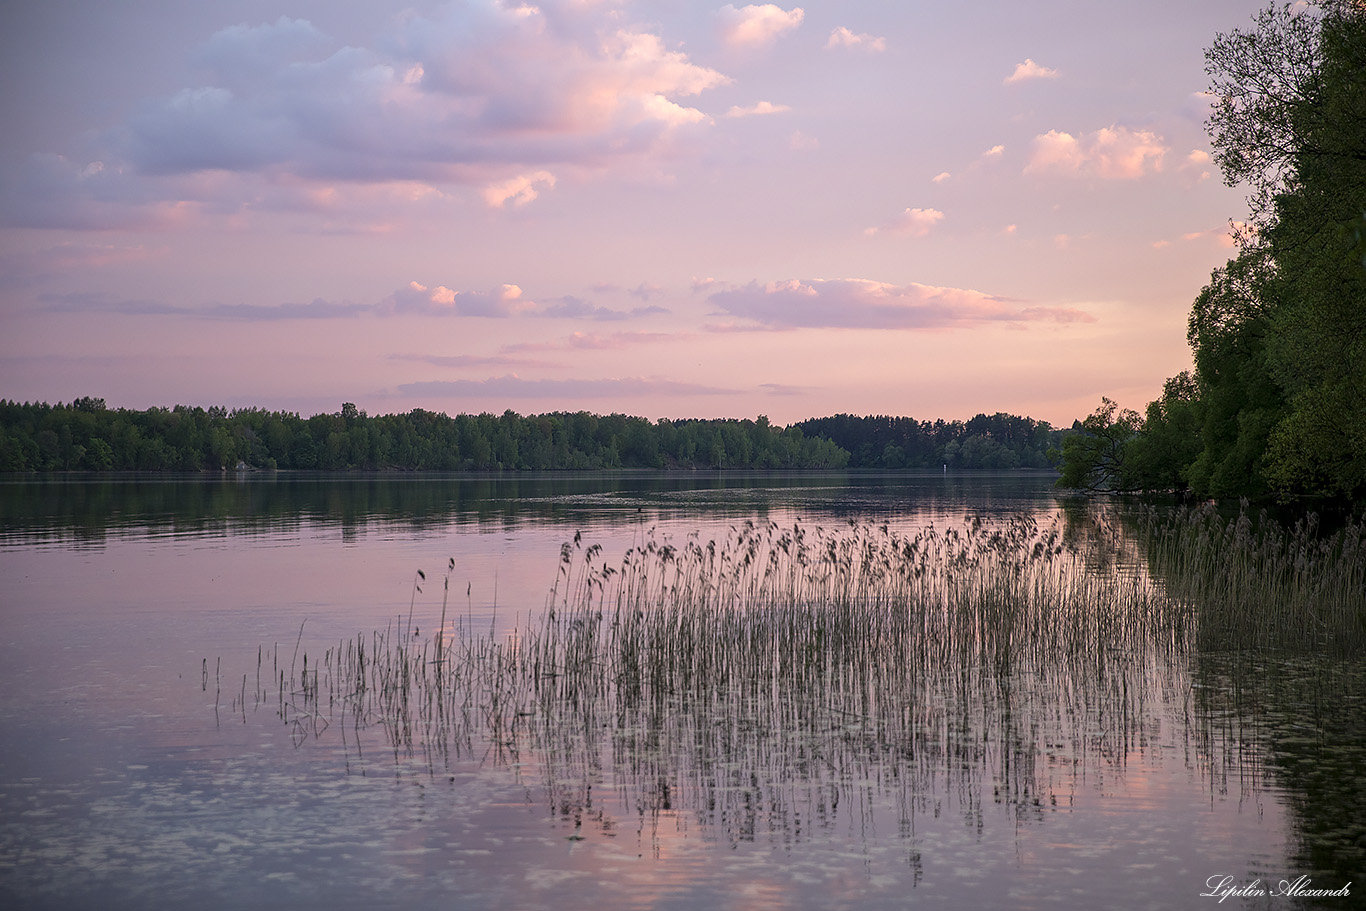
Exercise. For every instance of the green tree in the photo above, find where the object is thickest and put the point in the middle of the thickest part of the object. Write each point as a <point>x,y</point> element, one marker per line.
<point>1291,123</point>
<point>1287,93</point>
<point>1277,400</point>
<point>1161,455</point>
<point>1240,400</point>
<point>1094,457</point>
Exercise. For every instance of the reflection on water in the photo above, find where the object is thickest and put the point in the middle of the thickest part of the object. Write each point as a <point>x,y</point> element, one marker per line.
<point>1300,721</point>
<point>90,509</point>
<point>800,689</point>
<point>1002,711</point>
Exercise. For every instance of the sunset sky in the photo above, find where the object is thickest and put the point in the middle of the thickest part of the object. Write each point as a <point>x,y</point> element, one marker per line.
<point>669,209</point>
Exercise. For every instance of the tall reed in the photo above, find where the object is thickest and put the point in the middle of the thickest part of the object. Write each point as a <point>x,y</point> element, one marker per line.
<point>708,673</point>
<point>1257,585</point>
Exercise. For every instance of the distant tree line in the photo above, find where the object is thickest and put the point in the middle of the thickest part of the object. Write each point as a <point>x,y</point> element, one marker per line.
<point>87,435</point>
<point>1276,402</point>
<point>985,441</point>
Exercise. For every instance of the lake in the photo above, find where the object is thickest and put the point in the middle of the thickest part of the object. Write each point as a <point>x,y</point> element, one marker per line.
<point>366,691</point>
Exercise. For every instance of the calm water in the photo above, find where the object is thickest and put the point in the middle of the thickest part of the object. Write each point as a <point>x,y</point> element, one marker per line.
<point>148,760</point>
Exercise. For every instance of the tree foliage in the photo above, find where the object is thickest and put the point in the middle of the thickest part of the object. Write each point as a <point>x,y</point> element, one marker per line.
<point>1096,456</point>
<point>1278,399</point>
<point>85,435</point>
<point>985,441</point>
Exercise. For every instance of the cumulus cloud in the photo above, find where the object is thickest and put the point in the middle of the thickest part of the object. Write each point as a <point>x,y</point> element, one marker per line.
<point>478,94</point>
<point>915,222</point>
<point>763,107</point>
<point>505,300</point>
<point>1197,165</point>
<point>1112,153</point>
<point>863,304</point>
<point>941,177</point>
<point>243,57</point>
<point>518,190</point>
<point>1030,70</point>
<point>757,25</point>
<point>843,37</point>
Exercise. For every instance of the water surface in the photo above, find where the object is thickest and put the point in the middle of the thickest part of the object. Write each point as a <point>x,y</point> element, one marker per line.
<point>147,757</point>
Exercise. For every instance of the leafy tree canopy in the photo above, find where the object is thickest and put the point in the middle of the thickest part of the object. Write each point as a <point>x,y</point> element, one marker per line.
<point>1276,403</point>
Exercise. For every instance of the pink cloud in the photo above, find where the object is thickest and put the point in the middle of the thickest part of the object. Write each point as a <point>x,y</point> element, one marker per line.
<point>863,304</point>
<point>843,37</point>
<point>413,299</point>
<point>477,95</point>
<point>505,300</point>
<point>1196,165</point>
<point>915,222</point>
<point>1030,70</point>
<point>763,107</point>
<point>757,25</point>
<point>519,190</point>
<point>1112,153</point>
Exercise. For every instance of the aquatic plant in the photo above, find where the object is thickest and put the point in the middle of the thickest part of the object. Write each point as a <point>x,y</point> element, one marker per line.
<point>776,665</point>
<point>1257,585</point>
<point>764,680</point>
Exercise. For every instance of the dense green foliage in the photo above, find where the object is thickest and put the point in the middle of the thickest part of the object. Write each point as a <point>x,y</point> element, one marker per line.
<point>1095,458</point>
<point>86,435</point>
<point>985,441</point>
<point>1276,404</point>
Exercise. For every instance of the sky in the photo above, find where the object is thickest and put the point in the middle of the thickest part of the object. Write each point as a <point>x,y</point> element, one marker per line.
<point>669,209</point>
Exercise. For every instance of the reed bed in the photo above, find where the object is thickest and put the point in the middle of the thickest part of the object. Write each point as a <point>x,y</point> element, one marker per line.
<point>776,666</point>
<point>1256,585</point>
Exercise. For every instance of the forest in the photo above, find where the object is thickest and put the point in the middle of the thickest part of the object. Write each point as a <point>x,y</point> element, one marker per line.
<point>86,435</point>
<point>985,441</point>
<point>1275,406</point>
